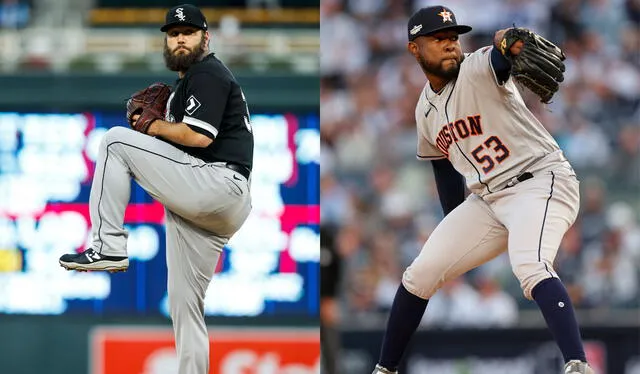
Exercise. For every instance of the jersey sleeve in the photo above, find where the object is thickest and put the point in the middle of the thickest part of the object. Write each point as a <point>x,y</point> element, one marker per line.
<point>481,68</point>
<point>426,150</point>
<point>206,98</point>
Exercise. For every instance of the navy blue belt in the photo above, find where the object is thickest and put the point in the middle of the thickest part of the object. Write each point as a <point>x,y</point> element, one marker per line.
<point>244,171</point>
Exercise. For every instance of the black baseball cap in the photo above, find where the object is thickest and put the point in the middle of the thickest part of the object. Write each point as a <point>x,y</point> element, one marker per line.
<point>435,18</point>
<point>184,15</point>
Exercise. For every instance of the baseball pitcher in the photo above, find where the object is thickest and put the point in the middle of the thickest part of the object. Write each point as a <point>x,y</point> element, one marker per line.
<point>191,148</point>
<point>474,127</point>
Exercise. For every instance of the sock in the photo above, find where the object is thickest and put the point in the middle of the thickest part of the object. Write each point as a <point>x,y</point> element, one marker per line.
<point>557,309</point>
<point>405,316</point>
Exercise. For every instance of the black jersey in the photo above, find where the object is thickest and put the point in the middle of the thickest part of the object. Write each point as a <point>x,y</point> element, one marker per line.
<point>210,101</point>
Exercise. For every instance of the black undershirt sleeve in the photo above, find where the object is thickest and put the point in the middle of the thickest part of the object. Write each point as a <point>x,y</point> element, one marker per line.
<point>450,185</point>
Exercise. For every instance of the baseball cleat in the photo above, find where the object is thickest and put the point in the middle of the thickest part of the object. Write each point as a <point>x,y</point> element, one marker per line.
<point>92,260</point>
<point>577,367</point>
<point>382,370</point>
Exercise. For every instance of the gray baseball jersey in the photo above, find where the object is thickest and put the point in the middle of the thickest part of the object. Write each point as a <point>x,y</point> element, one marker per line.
<point>491,138</point>
<point>483,127</point>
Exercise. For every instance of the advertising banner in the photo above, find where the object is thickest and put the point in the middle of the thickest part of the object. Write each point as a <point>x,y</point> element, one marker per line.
<point>142,350</point>
<point>494,351</point>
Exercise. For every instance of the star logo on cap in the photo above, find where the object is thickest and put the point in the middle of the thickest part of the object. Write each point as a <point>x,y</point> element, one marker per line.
<point>446,15</point>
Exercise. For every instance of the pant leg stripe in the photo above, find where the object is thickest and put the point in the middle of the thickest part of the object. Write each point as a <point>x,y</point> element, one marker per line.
<point>544,219</point>
<point>104,169</point>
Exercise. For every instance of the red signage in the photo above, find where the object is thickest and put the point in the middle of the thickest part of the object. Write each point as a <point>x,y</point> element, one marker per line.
<point>141,350</point>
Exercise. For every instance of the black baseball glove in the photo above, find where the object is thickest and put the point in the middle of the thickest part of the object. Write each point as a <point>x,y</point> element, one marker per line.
<point>538,66</point>
<point>150,104</point>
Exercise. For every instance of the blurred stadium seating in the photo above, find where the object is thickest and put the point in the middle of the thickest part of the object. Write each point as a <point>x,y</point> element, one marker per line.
<point>381,204</point>
<point>72,35</point>
<point>67,67</point>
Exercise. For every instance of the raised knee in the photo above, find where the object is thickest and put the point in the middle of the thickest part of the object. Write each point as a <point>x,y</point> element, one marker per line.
<point>115,134</point>
<point>529,274</point>
<point>423,283</point>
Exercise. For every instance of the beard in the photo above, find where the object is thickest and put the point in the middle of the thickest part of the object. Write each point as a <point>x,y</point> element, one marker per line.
<point>182,62</point>
<point>439,70</point>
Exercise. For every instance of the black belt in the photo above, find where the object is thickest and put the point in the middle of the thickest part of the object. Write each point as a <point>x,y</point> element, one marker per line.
<point>520,178</point>
<point>244,171</point>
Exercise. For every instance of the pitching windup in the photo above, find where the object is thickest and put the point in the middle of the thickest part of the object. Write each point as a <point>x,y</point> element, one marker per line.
<point>190,147</point>
<point>475,128</point>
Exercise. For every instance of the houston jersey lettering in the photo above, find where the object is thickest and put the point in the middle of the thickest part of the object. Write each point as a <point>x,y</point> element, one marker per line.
<point>488,143</point>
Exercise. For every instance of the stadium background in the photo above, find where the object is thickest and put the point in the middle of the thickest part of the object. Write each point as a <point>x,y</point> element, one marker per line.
<point>67,68</point>
<point>379,204</point>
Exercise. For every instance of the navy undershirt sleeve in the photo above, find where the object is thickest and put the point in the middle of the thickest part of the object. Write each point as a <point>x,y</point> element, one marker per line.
<point>501,66</point>
<point>450,185</point>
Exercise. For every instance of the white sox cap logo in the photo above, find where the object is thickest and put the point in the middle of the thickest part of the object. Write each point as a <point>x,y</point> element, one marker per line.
<point>416,29</point>
<point>180,15</point>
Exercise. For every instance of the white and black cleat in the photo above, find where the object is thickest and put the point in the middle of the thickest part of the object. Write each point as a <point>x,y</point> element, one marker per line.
<point>382,370</point>
<point>577,367</point>
<point>91,260</point>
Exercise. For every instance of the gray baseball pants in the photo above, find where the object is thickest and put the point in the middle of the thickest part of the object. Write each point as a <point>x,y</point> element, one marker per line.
<point>205,204</point>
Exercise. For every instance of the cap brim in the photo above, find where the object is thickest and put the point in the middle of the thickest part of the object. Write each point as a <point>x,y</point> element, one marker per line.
<point>460,29</point>
<point>179,23</point>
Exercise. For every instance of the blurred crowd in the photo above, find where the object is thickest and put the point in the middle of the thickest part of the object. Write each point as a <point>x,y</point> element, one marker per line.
<point>19,14</point>
<point>15,14</point>
<point>380,204</point>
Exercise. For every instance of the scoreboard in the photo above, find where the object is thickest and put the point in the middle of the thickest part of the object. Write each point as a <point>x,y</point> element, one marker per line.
<point>46,168</point>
